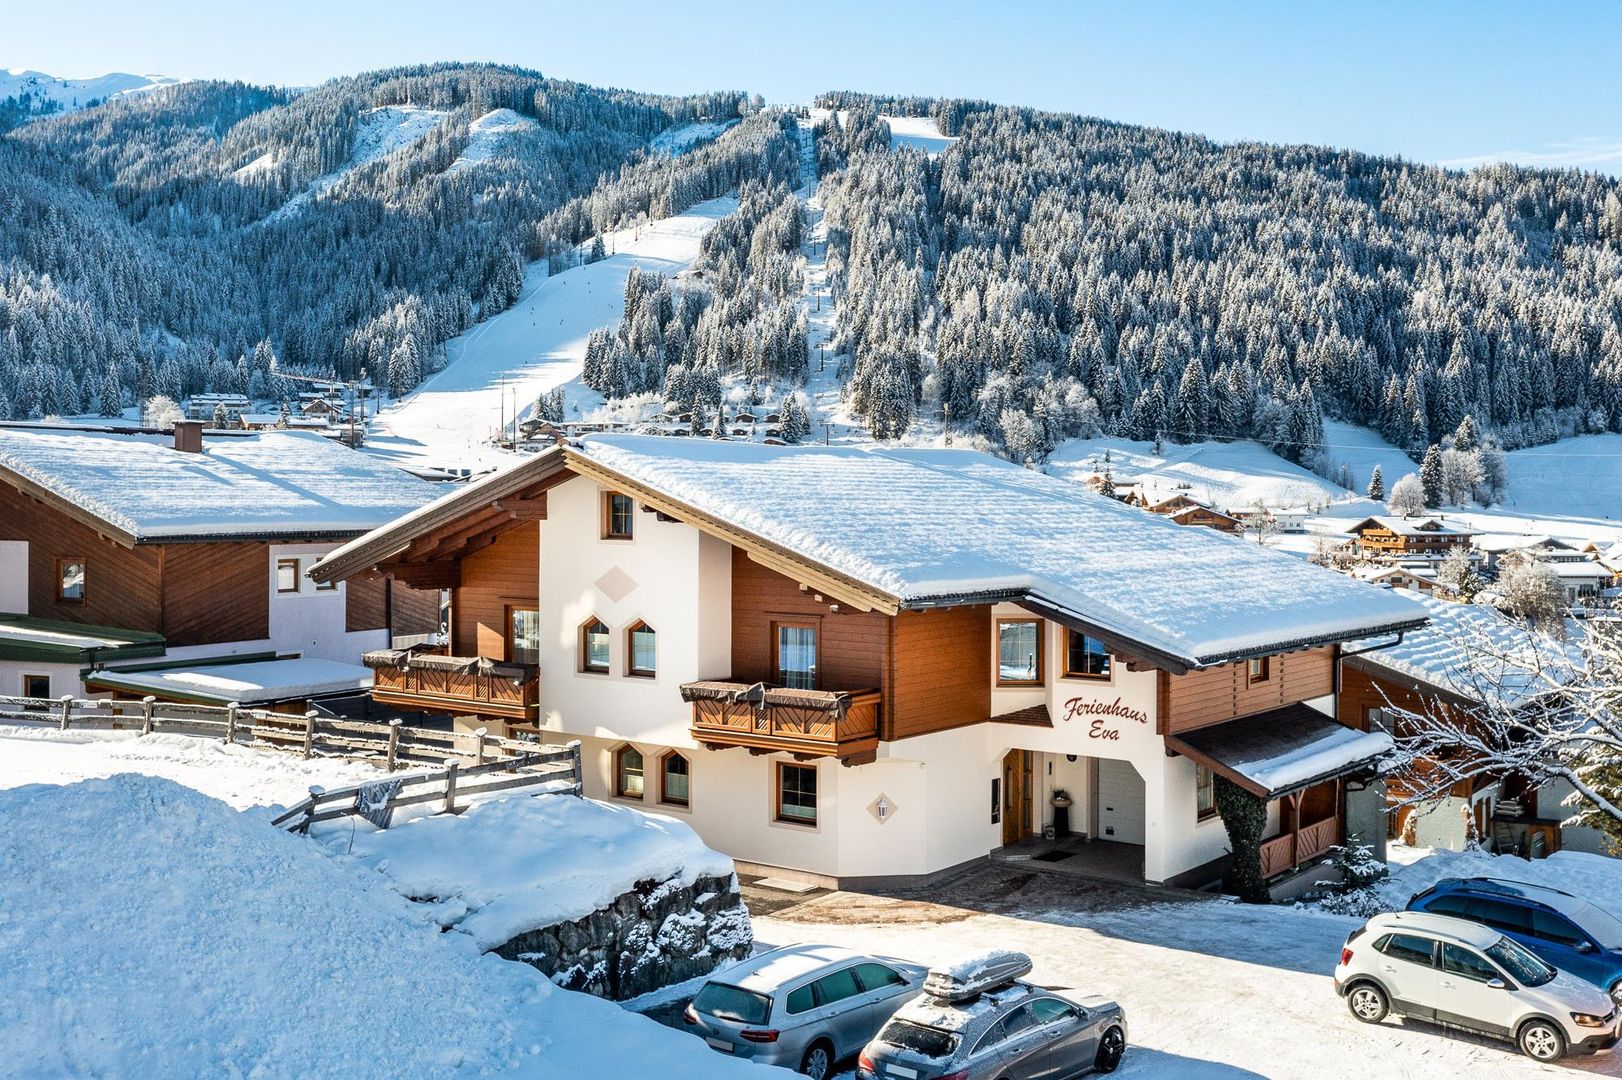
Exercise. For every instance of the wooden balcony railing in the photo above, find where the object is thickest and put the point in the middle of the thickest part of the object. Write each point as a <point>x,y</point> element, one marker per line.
<point>814,723</point>
<point>455,684</point>
<point>1292,849</point>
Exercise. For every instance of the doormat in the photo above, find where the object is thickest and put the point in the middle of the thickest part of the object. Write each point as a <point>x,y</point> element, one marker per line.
<point>1053,856</point>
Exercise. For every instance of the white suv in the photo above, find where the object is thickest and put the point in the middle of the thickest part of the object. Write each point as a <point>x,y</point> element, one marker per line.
<point>1462,974</point>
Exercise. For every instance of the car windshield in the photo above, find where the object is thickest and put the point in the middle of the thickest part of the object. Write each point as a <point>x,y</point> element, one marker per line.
<point>932,1043</point>
<point>733,1003</point>
<point>1522,966</point>
<point>1605,927</point>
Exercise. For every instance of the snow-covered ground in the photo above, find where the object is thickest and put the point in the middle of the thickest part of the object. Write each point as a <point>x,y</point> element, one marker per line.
<point>678,140</point>
<point>512,358</point>
<point>1596,878</point>
<point>1212,991</point>
<point>487,133</point>
<point>918,133</point>
<point>382,132</point>
<point>1232,475</point>
<point>74,94</point>
<point>149,930</point>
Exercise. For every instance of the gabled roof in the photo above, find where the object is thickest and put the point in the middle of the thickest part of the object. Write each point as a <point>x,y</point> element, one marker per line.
<point>890,529</point>
<point>1415,526</point>
<point>137,488</point>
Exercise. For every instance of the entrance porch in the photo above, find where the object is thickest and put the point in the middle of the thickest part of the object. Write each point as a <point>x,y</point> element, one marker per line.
<point>1103,860</point>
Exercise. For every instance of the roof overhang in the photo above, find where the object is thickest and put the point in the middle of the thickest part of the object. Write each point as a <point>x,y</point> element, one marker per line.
<point>51,641</point>
<point>1282,751</point>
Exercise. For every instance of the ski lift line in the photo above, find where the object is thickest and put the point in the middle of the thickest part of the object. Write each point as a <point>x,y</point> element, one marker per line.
<point>1356,446</point>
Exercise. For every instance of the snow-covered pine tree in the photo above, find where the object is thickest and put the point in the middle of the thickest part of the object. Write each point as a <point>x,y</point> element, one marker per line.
<point>1377,485</point>
<point>1430,477</point>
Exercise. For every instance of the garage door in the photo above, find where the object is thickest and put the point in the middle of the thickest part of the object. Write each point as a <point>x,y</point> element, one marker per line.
<point>1120,802</point>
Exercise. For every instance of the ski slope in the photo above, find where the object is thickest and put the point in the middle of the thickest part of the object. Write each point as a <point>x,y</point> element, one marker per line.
<point>917,133</point>
<point>512,358</point>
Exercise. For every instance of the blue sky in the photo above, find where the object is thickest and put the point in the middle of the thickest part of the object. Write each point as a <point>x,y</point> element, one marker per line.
<point>1451,82</point>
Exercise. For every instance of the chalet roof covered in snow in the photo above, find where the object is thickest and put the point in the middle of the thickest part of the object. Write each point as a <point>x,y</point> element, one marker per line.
<point>1450,652</point>
<point>894,528</point>
<point>937,526</point>
<point>1416,526</point>
<point>138,488</point>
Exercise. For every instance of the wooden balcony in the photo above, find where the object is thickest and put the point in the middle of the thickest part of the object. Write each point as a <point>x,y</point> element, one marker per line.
<point>1292,849</point>
<point>462,685</point>
<point>767,719</point>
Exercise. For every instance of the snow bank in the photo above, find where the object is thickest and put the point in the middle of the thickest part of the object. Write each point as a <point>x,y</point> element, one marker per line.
<point>512,865</point>
<point>209,944</point>
<point>1595,878</point>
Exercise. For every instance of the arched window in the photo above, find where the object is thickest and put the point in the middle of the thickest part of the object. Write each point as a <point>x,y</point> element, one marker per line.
<point>674,779</point>
<point>628,773</point>
<point>594,646</point>
<point>640,650</point>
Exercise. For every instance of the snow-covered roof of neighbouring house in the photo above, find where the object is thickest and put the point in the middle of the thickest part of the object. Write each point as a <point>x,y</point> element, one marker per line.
<point>257,682</point>
<point>935,525</point>
<point>1447,653</point>
<point>24,637</point>
<point>1417,526</point>
<point>1517,542</point>
<point>269,485</point>
<point>516,864</point>
<point>1580,568</point>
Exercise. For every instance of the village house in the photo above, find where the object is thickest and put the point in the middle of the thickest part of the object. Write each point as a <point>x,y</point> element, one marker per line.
<point>855,665</point>
<point>1385,537</point>
<point>1429,672</point>
<point>1187,511</point>
<point>173,565</point>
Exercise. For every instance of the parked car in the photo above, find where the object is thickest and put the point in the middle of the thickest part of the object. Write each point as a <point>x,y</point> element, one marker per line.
<point>804,1007</point>
<point>980,1020</point>
<point>1462,974</point>
<point>1563,929</point>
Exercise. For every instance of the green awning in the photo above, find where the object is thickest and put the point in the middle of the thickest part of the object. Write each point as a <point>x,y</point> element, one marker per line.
<point>52,641</point>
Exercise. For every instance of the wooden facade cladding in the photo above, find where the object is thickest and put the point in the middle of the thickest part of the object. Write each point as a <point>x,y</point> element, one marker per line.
<point>939,671</point>
<point>501,575</point>
<point>1213,695</point>
<point>122,585</point>
<point>366,602</point>
<point>850,644</point>
<point>215,592</point>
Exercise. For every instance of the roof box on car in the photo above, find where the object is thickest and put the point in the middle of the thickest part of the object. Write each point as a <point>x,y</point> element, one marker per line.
<point>974,975</point>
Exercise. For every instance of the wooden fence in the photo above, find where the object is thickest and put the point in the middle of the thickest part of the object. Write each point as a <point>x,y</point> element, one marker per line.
<point>389,745</point>
<point>551,770</point>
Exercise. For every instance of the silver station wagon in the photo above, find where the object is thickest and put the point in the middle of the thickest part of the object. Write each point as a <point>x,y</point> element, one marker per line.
<point>978,1020</point>
<point>804,1007</point>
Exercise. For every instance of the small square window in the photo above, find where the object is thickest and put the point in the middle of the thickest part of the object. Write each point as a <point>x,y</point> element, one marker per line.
<point>70,581</point>
<point>796,793</point>
<point>1258,669</point>
<point>287,576</point>
<point>1085,657</point>
<point>1019,652</point>
<point>617,516</point>
<point>36,686</point>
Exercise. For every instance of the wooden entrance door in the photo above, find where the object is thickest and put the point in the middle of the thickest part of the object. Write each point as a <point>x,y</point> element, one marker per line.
<point>1016,796</point>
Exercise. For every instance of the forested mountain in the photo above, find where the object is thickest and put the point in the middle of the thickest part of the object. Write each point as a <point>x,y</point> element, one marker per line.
<point>1051,275</point>
<point>150,244</point>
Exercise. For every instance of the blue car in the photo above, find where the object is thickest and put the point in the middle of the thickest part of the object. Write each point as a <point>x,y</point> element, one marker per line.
<point>1563,929</point>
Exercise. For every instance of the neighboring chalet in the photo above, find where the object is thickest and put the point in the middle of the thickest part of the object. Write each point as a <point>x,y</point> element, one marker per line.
<point>1429,670</point>
<point>1407,538</point>
<point>858,664</point>
<point>1207,516</point>
<point>140,563</point>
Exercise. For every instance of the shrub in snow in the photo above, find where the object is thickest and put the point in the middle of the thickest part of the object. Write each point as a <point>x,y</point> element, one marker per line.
<point>162,413</point>
<point>1245,817</point>
<point>1407,496</point>
<point>1351,891</point>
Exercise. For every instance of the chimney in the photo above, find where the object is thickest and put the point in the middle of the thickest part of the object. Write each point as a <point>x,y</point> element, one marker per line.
<point>189,436</point>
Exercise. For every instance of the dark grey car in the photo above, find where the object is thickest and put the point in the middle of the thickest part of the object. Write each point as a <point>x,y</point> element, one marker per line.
<point>1014,1031</point>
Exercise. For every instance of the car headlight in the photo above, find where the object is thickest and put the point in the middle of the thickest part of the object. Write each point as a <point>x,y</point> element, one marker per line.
<point>1589,1020</point>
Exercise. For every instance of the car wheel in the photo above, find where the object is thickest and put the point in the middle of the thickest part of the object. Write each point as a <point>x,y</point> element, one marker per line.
<point>1368,1003</point>
<point>1540,1040</point>
<point>818,1062</point>
<point>1110,1049</point>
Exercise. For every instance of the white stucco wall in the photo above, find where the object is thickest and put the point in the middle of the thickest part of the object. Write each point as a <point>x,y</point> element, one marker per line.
<point>64,677</point>
<point>14,576</point>
<point>310,622</point>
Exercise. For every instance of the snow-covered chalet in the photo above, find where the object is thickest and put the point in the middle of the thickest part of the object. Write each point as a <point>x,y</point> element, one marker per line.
<point>855,665</point>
